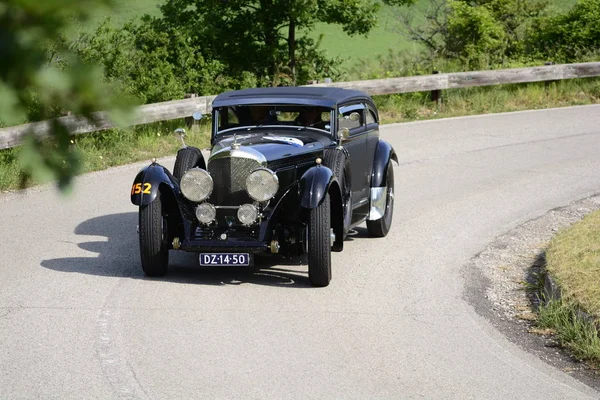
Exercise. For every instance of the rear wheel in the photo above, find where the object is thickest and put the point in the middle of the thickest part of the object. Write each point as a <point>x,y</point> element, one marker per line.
<point>380,227</point>
<point>154,252</point>
<point>187,158</point>
<point>319,244</point>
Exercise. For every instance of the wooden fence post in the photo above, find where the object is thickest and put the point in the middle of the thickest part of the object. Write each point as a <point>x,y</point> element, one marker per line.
<point>436,95</point>
<point>548,83</point>
<point>190,121</point>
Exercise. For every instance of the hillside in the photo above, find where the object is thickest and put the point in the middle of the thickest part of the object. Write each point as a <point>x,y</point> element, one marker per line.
<point>386,36</point>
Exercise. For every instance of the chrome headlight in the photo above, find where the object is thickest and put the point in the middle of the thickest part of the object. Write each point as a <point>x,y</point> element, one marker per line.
<point>206,213</point>
<point>247,214</point>
<point>196,184</point>
<point>262,184</point>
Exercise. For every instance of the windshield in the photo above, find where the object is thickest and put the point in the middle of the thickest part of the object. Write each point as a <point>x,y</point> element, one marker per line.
<point>255,116</point>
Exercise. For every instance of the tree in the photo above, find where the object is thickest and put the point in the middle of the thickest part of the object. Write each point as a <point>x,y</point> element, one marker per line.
<point>569,37</point>
<point>153,65</point>
<point>32,87</point>
<point>262,35</point>
<point>480,33</point>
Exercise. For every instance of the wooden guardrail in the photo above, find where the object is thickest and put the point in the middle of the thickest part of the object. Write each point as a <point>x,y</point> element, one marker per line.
<point>13,136</point>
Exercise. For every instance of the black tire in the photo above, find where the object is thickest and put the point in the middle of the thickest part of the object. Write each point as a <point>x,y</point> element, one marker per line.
<point>380,227</point>
<point>187,158</point>
<point>319,244</point>
<point>339,163</point>
<point>154,252</point>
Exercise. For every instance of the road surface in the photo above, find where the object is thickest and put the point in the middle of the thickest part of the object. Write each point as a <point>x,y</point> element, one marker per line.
<point>79,320</point>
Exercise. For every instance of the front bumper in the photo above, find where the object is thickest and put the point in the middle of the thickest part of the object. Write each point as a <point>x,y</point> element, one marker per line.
<point>224,246</point>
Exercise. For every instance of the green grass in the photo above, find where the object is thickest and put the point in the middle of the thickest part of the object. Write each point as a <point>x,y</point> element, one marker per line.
<point>110,148</point>
<point>492,99</point>
<point>574,332</point>
<point>120,14</point>
<point>573,260</point>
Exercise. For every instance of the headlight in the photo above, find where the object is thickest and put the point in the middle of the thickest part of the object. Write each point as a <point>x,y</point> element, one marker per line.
<point>206,213</point>
<point>247,214</point>
<point>196,184</point>
<point>262,184</point>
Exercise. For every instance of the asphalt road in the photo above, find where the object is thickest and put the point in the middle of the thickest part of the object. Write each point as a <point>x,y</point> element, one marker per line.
<point>79,320</point>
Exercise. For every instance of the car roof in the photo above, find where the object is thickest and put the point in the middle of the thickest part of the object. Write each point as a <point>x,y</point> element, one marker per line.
<point>319,96</point>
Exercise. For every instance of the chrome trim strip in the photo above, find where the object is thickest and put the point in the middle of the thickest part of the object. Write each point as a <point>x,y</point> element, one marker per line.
<point>378,203</point>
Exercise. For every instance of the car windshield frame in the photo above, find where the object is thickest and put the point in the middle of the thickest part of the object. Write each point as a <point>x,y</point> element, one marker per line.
<point>274,111</point>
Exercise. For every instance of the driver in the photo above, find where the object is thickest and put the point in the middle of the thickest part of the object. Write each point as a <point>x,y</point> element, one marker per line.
<point>310,116</point>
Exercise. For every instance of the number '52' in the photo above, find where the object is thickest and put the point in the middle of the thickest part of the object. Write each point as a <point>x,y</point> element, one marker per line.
<point>137,188</point>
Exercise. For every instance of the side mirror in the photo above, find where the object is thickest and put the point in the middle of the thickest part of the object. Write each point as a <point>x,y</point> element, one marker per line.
<point>197,116</point>
<point>354,116</point>
<point>180,132</point>
<point>343,134</point>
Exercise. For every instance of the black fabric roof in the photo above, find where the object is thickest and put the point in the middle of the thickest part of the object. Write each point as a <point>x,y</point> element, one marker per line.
<point>318,96</point>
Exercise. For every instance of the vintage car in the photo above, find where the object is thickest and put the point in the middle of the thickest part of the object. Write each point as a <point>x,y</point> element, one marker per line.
<point>291,171</point>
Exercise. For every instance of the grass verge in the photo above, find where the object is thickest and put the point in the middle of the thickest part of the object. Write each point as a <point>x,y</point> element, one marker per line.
<point>573,260</point>
<point>574,332</point>
<point>110,148</point>
<point>486,100</point>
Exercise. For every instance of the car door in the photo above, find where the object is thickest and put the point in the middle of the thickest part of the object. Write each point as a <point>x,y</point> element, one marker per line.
<point>356,145</point>
<point>372,122</point>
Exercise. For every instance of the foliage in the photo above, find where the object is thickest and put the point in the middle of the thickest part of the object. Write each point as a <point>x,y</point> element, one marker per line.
<point>568,37</point>
<point>151,64</point>
<point>31,87</point>
<point>261,36</point>
<point>480,33</point>
<point>474,34</point>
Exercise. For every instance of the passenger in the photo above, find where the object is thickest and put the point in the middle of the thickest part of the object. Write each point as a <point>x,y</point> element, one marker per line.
<point>310,117</point>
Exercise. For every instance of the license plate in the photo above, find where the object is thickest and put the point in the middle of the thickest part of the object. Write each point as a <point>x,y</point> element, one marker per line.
<point>224,259</point>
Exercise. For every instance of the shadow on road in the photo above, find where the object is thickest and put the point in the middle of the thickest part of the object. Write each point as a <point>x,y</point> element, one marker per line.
<point>117,248</point>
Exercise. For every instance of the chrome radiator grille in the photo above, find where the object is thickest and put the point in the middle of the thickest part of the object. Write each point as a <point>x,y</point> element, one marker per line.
<point>229,176</point>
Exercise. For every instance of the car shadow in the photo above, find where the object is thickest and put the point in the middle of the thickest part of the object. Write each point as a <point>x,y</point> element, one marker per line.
<point>116,254</point>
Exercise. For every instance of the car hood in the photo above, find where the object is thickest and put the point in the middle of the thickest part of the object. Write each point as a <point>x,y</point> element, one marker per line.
<point>273,146</point>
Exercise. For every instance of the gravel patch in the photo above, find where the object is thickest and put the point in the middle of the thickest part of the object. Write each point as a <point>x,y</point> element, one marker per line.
<point>498,282</point>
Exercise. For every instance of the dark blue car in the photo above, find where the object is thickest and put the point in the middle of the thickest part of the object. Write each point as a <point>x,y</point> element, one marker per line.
<point>291,171</point>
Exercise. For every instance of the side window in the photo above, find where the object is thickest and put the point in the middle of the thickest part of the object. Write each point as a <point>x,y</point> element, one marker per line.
<point>351,117</point>
<point>371,116</point>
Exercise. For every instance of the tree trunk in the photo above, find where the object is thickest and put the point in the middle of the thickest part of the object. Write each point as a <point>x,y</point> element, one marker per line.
<point>292,49</point>
<point>271,39</point>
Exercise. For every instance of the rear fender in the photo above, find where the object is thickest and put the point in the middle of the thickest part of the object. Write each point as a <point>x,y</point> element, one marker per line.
<point>149,181</point>
<point>384,154</point>
<point>314,184</point>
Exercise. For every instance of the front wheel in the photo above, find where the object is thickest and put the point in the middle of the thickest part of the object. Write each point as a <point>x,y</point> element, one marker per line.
<point>153,249</point>
<point>380,227</point>
<point>319,244</point>
<point>187,158</point>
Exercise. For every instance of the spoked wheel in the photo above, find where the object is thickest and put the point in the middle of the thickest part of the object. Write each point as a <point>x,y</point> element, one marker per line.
<point>154,252</point>
<point>187,158</point>
<point>319,244</point>
<point>380,227</point>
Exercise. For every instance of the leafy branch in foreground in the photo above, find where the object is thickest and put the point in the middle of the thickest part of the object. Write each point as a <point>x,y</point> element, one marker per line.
<point>40,78</point>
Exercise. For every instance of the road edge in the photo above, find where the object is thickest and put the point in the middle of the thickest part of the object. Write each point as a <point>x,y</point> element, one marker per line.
<point>494,296</point>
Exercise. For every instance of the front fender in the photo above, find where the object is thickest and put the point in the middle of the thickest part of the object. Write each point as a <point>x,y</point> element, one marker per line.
<point>314,184</point>
<point>384,154</point>
<point>146,184</point>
